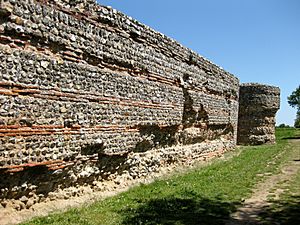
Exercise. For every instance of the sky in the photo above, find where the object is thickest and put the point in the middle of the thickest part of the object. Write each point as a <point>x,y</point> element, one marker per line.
<point>256,40</point>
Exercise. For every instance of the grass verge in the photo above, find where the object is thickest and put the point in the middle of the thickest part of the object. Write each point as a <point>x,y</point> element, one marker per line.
<point>202,196</point>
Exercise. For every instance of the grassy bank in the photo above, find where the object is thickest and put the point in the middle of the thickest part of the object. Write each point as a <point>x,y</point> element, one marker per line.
<point>202,196</point>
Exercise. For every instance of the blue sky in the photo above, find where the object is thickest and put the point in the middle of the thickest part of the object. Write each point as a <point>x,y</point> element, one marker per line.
<point>256,40</point>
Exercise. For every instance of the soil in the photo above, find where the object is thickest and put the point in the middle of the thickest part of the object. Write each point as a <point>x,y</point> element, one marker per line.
<point>252,207</point>
<point>10,216</point>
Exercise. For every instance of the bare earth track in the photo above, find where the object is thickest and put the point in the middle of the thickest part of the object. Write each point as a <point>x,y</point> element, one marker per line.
<point>249,212</point>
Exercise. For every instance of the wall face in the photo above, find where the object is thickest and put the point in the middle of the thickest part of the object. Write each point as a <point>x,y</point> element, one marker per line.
<point>84,87</point>
<point>258,105</point>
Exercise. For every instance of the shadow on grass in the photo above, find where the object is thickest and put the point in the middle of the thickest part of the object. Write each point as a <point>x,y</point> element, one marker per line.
<point>285,212</point>
<point>292,137</point>
<point>197,210</point>
<point>190,209</point>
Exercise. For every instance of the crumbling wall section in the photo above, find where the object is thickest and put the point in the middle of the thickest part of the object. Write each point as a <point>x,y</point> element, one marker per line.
<point>83,85</point>
<point>258,105</point>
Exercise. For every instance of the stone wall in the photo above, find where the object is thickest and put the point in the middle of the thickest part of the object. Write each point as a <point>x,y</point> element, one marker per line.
<point>87,94</point>
<point>258,105</point>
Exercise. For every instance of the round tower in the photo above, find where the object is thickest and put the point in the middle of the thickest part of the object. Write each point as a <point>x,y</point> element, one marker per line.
<point>258,105</point>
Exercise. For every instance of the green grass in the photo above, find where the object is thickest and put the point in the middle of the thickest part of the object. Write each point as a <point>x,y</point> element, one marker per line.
<point>206,195</point>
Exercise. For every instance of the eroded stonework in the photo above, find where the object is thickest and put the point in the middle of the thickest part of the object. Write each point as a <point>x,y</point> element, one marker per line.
<point>258,105</point>
<point>88,94</point>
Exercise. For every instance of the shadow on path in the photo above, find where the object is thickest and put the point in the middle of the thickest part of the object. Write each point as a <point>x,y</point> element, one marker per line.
<point>285,212</point>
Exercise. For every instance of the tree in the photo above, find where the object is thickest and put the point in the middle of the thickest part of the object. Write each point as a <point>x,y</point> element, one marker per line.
<point>294,101</point>
<point>282,125</point>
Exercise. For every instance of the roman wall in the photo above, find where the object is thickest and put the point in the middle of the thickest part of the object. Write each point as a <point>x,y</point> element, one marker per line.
<point>258,105</point>
<point>88,94</point>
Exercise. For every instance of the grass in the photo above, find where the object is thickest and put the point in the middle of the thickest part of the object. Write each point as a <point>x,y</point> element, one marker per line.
<point>206,195</point>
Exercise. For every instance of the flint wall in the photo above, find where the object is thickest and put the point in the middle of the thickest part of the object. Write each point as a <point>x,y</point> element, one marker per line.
<point>88,93</point>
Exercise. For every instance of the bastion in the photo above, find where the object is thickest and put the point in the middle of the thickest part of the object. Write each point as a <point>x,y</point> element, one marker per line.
<point>258,105</point>
<point>88,95</point>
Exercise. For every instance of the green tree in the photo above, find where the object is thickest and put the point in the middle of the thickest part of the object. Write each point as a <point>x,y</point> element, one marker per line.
<point>294,101</point>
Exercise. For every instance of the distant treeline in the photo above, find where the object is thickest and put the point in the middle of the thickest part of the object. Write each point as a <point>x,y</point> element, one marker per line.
<point>282,125</point>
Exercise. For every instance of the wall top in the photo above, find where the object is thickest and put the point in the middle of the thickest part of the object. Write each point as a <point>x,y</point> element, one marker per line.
<point>81,5</point>
<point>260,88</point>
<point>107,15</point>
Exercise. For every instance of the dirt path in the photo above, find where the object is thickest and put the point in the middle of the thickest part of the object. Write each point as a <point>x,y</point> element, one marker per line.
<point>255,205</point>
